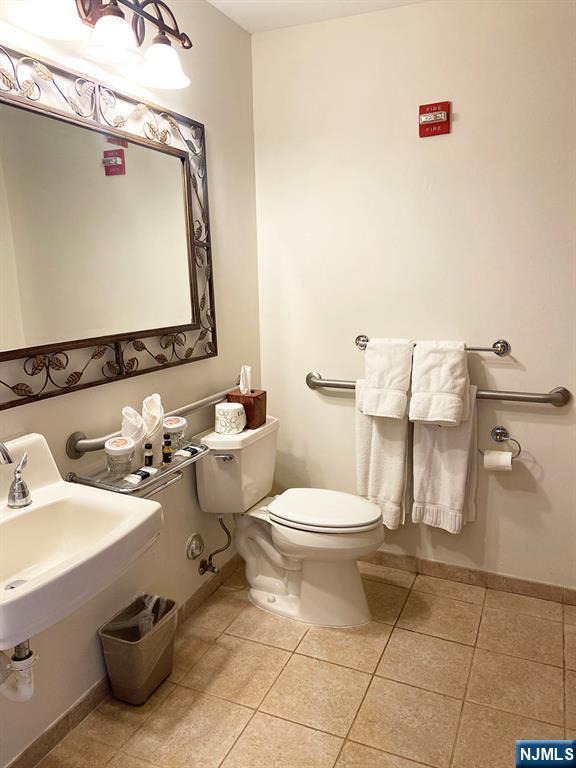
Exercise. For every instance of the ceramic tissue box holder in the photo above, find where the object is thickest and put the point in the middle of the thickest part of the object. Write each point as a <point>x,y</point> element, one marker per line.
<point>254,404</point>
<point>230,418</point>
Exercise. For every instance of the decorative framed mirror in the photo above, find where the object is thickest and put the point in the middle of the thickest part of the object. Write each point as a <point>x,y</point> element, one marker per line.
<point>105,256</point>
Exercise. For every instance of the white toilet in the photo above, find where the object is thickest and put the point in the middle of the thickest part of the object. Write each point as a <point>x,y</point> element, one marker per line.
<point>300,547</point>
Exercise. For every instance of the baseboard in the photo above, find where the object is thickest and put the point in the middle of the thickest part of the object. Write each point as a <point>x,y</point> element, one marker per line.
<point>555,592</point>
<point>62,727</point>
<point>39,748</point>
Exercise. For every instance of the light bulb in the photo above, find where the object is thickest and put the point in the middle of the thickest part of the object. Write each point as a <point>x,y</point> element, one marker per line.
<point>57,19</point>
<point>113,40</point>
<point>162,67</point>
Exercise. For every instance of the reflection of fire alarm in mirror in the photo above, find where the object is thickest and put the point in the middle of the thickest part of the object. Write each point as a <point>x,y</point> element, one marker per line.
<point>114,162</point>
<point>434,119</point>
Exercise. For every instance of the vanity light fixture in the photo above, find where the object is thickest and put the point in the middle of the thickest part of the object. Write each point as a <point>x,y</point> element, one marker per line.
<point>114,38</point>
<point>116,41</point>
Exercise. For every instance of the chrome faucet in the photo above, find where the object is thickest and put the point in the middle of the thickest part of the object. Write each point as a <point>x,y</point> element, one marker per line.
<point>19,493</point>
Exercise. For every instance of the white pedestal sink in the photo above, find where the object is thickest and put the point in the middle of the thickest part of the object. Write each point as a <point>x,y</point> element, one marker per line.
<point>69,544</point>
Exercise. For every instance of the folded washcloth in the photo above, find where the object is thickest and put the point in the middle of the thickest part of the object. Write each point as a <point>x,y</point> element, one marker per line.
<point>444,475</point>
<point>439,383</point>
<point>381,449</point>
<point>388,363</point>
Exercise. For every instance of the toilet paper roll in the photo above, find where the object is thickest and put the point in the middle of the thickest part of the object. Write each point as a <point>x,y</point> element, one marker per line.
<point>230,418</point>
<point>498,461</point>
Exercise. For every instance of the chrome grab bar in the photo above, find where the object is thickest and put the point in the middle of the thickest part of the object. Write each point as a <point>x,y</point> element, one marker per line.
<point>78,444</point>
<point>558,396</point>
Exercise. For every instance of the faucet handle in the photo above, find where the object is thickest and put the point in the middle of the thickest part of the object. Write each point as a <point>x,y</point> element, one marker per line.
<point>19,494</point>
<point>22,463</point>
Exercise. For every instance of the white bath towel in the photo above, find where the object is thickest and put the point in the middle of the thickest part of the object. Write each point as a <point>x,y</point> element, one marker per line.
<point>387,365</point>
<point>444,474</point>
<point>439,383</point>
<point>381,448</point>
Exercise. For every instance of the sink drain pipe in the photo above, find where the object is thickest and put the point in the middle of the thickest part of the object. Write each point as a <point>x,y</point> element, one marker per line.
<point>17,673</point>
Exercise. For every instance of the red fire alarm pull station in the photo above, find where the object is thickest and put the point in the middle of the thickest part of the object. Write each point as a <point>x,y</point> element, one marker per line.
<point>434,119</point>
<point>114,162</point>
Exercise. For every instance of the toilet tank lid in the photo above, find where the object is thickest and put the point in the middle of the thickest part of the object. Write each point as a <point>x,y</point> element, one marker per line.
<point>220,442</point>
<point>317,506</point>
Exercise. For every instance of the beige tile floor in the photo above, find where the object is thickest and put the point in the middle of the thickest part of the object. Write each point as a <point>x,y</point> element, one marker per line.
<point>447,675</point>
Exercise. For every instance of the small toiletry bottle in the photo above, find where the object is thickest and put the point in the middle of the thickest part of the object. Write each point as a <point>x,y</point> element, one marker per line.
<point>148,455</point>
<point>167,450</point>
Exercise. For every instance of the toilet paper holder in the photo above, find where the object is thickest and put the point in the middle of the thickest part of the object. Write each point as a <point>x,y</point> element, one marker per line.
<point>500,435</point>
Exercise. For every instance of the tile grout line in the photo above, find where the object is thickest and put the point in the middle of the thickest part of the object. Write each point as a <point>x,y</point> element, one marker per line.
<point>252,716</point>
<point>392,754</point>
<point>373,675</point>
<point>465,694</point>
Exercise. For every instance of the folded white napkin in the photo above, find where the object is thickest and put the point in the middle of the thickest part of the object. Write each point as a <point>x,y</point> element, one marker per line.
<point>445,472</point>
<point>439,383</point>
<point>387,366</point>
<point>153,416</point>
<point>381,449</point>
<point>133,426</point>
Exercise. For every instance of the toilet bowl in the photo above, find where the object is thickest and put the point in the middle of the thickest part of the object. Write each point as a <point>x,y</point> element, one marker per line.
<point>301,546</point>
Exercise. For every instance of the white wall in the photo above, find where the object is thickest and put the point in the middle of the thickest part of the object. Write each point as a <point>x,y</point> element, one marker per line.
<point>365,228</point>
<point>220,96</point>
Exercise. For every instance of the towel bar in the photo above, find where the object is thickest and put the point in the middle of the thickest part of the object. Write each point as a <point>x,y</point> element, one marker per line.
<point>557,396</point>
<point>500,347</point>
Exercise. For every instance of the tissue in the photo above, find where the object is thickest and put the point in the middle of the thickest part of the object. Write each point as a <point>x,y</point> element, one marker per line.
<point>498,461</point>
<point>246,379</point>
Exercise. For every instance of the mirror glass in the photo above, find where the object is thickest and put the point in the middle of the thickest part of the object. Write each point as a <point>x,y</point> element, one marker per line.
<point>84,255</point>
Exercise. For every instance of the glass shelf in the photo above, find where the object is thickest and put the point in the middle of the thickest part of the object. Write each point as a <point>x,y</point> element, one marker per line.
<point>117,484</point>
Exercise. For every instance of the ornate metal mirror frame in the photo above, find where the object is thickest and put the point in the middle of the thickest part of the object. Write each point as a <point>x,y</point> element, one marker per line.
<point>36,373</point>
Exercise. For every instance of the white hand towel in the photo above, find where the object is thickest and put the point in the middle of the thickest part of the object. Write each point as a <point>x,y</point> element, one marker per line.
<point>388,363</point>
<point>381,447</point>
<point>153,415</point>
<point>445,469</point>
<point>439,383</point>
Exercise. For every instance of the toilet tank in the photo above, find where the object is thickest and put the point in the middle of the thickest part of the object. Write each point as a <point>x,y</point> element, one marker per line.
<point>234,485</point>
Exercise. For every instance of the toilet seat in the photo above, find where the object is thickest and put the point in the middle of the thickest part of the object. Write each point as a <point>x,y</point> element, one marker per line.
<point>324,511</point>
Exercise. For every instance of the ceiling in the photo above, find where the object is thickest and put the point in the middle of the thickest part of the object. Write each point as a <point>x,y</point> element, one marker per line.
<point>263,15</point>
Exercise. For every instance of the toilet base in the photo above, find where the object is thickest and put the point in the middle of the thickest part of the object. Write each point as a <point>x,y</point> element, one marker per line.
<point>319,603</point>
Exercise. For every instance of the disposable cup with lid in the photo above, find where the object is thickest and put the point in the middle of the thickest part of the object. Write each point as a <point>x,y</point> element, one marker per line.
<point>119,453</point>
<point>175,426</point>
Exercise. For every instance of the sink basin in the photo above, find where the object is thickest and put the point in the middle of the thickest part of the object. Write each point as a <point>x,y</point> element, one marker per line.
<point>69,544</point>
